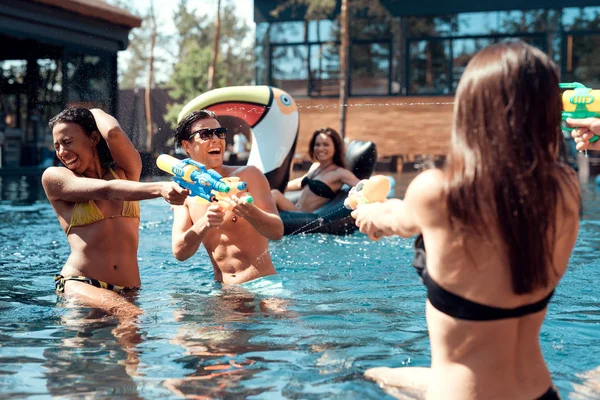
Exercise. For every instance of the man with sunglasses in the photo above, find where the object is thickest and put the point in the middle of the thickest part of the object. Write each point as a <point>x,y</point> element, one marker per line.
<point>237,240</point>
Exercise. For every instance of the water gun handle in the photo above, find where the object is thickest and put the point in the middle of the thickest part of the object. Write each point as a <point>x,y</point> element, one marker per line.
<point>579,102</point>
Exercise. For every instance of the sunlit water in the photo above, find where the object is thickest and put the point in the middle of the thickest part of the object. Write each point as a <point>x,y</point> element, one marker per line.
<point>351,305</point>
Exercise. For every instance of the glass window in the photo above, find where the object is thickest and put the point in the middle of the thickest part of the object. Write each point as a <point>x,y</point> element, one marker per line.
<point>582,55</point>
<point>13,71</point>
<point>289,66</point>
<point>370,29</point>
<point>261,54</point>
<point>287,32</point>
<point>323,31</point>
<point>13,107</point>
<point>462,51</point>
<point>324,69</point>
<point>578,19</point>
<point>539,41</point>
<point>50,96</point>
<point>429,67</point>
<point>88,80</point>
<point>525,21</point>
<point>480,23</point>
<point>431,26</point>
<point>370,68</point>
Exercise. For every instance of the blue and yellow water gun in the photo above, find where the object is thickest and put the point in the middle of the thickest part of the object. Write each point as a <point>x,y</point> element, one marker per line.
<point>579,102</point>
<point>208,185</point>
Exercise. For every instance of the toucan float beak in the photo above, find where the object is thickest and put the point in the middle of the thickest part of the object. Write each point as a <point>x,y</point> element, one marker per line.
<point>248,103</point>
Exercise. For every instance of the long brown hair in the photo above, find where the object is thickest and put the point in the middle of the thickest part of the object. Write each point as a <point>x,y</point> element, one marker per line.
<point>503,156</point>
<point>338,145</point>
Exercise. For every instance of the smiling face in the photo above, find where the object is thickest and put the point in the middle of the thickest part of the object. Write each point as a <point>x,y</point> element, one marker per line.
<point>324,150</point>
<point>208,152</point>
<point>74,148</point>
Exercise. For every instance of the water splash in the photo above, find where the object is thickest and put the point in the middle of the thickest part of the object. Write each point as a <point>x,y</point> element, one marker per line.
<point>317,222</point>
<point>321,107</point>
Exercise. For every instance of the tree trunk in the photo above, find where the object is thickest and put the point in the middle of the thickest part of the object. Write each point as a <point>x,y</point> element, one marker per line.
<point>213,63</point>
<point>344,66</point>
<point>150,81</point>
<point>429,65</point>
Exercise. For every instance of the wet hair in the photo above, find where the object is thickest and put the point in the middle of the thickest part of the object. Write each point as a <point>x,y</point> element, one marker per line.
<point>338,144</point>
<point>185,125</point>
<point>503,156</point>
<point>85,119</point>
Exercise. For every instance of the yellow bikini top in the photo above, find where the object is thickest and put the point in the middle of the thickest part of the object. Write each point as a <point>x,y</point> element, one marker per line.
<point>86,213</point>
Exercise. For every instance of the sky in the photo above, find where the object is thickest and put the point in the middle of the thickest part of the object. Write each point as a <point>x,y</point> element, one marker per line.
<point>164,10</point>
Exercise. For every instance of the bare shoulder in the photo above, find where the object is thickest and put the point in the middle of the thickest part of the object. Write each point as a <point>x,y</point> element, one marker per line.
<point>428,186</point>
<point>342,171</point>
<point>53,175</point>
<point>247,171</point>
<point>425,196</point>
<point>53,180</point>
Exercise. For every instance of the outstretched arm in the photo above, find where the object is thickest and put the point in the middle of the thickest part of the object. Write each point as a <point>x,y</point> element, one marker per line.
<point>122,150</point>
<point>406,217</point>
<point>347,177</point>
<point>62,184</point>
<point>296,184</point>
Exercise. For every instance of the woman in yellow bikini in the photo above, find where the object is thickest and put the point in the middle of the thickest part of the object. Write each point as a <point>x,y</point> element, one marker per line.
<point>95,200</point>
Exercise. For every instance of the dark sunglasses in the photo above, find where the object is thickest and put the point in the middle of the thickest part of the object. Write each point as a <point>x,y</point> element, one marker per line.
<point>207,134</point>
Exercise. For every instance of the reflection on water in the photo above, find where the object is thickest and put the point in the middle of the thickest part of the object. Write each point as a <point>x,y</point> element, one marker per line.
<point>352,304</point>
<point>92,346</point>
<point>21,190</point>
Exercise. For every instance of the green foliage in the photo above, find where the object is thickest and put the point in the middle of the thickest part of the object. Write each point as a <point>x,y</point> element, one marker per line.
<point>133,64</point>
<point>313,9</point>
<point>195,38</point>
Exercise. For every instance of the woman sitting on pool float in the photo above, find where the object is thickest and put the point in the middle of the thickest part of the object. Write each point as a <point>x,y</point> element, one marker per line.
<point>95,200</point>
<point>324,178</point>
<point>499,223</point>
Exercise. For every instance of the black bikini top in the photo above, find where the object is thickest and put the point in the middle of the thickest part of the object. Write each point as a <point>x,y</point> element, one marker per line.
<point>461,308</point>
<point>318,187</point>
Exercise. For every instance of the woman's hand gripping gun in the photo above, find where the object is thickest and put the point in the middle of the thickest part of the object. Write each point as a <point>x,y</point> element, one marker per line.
<point>207,185</point>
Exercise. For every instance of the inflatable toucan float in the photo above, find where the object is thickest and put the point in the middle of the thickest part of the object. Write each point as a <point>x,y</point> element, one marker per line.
<point>269,116</point>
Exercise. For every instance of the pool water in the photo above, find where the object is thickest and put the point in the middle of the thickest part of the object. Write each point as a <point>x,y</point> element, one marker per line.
<point>349,304</point>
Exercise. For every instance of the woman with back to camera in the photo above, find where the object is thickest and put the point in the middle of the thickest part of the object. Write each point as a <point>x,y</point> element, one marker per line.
<point>324,178</point>
<point>95,200</point>
<point>499,223</point>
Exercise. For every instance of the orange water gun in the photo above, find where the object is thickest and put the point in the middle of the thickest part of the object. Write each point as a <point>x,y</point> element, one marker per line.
<point>367,191</point>
<point>207,185</point>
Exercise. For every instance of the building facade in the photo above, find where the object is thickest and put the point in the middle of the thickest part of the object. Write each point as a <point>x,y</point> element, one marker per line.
<point>54,53</point>
<point>396,53</point>
<point>406,59</point>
